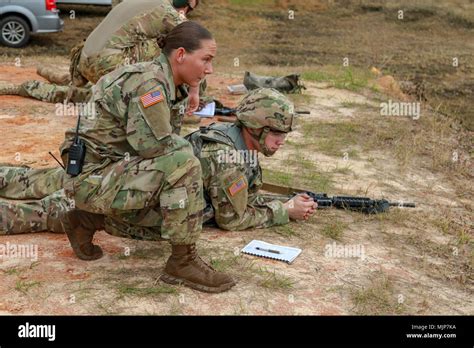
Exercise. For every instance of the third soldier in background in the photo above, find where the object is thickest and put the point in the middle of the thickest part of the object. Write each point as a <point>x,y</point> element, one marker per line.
<point>130,33</point>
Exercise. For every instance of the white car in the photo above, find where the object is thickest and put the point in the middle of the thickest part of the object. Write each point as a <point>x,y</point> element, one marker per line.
<point>86,2</point>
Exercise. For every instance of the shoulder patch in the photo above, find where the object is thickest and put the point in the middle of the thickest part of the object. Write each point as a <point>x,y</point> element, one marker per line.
<point>237,186</point>
<point>152,98</point>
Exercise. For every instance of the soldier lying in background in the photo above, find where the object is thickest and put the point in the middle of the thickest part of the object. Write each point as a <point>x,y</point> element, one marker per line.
<point>129,34</point>
<point>229,162</point>
<point>231,173</point>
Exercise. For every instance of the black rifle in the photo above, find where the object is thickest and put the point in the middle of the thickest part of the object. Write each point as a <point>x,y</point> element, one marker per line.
<point>225,111</point>
<point>361,204</point>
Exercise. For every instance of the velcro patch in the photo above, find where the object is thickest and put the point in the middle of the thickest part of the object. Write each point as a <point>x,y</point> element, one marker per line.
<point>151,98</point>
<point>237,186</point>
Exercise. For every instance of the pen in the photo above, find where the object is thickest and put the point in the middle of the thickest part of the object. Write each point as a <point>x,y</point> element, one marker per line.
<point>268,250</point>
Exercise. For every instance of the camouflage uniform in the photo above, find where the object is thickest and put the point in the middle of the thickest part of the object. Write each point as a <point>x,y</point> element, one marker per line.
<point>132,42</point>
<point>28,183</point>
<point>231,187</point>
<point>51,93</point>
<point>141,176</point>
<point>46,214</point>
<point>47,206</point>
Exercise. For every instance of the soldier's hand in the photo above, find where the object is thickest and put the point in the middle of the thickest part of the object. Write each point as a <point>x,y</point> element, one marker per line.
<point>193,100</point>
<point>301,207</point>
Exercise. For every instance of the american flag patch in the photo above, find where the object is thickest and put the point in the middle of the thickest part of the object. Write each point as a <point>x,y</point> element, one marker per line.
<point>237,186</point>
<point>151,98</point>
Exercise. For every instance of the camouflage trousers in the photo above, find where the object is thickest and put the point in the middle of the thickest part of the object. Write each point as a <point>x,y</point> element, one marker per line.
<point>28,183</point>
<point>146,199</point>
<point>149,199</point>
<point>47,214</point>
<point>43,204</point>
<point>52,93</point>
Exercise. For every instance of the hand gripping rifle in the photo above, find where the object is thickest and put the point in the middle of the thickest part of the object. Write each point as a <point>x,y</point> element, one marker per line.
<point>361,204</point>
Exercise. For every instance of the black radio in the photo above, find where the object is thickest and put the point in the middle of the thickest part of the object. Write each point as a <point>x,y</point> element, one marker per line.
<point>76,154</point>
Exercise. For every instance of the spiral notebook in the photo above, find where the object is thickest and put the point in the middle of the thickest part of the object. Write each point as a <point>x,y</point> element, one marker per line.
<point>271,251</point>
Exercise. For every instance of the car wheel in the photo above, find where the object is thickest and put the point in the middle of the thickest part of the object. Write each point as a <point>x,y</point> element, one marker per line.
<point>14,31</point>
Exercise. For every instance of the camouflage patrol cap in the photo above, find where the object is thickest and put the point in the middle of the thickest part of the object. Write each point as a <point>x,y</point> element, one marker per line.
<point>266,107</point>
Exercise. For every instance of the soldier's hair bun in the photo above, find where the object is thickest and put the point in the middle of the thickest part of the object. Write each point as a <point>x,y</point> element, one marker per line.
<point>161,41</point>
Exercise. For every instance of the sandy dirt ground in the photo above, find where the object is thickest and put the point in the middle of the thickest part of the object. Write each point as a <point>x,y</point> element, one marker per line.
<point>410,262</point>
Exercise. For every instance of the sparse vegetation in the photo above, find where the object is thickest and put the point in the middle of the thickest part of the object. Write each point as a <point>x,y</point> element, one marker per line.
<point>25,286</point>
<point>272,280</point>
<point>378,298</point>
<point>428,250</point>
<point>334,230</point>
<point>142,290</point>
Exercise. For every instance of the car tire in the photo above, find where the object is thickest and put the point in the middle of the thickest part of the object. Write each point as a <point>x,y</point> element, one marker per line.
<point>14,32</point>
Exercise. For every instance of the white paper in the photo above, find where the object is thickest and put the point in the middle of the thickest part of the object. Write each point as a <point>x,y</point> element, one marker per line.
<point>207,111</point>
<point>287,254</point>
<point>237,89</point>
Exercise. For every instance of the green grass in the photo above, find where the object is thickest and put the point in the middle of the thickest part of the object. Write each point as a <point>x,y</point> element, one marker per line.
<point>378,298</point>
<point>284,230</point>
<point>342,170</point>
<point>274,281</point>
<point>278,177</point>
<point>333,138</point>
<point>334,230</point>
<point>311,180</point>
<point>24,285</point>
<point>139,290</point>
<point>12,271</point>
<point>225,263</point>
<point>317,76</point>
<point>353,79</point>
<point>251,3</point>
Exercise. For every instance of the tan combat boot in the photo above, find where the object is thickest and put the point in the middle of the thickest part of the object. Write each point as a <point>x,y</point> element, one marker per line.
<point>80,230</point>
<point>186,267</point>
<point>10,89</point>
<point>54,75</point>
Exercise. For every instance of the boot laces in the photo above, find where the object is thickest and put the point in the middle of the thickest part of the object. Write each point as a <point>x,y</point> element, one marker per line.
<point>199,261</point>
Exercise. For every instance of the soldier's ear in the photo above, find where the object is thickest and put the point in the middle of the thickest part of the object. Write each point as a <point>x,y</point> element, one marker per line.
<point>180,52</point>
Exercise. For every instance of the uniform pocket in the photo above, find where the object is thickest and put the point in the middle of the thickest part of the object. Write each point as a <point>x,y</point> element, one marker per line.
<point>139,190</point>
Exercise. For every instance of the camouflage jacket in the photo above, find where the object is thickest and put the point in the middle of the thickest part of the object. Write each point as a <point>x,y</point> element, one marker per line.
<point>131,115</point>
<point>232,177</point>
<point>135,25</point>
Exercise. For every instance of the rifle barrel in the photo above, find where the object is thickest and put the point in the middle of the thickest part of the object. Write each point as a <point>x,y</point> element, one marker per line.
<point>401,204</point>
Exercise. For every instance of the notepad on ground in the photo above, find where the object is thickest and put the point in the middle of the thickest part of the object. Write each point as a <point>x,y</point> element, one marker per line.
<point>207,111</point>
<point>271,251</point>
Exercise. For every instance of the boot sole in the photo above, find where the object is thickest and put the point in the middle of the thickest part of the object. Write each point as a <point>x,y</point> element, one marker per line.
<point>179,281</point>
